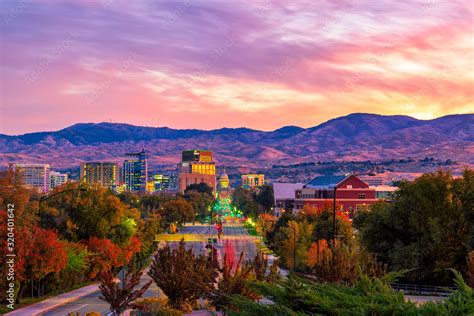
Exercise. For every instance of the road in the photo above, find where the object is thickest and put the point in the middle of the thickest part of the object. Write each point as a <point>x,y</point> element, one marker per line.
<point>235,234</point>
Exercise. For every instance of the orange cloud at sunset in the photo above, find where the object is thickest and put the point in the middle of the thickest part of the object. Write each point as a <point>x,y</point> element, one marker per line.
<point>211,64</point>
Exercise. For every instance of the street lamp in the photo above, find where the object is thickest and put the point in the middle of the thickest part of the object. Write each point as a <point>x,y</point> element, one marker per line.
<point>334,219</point>
<point>294,248</point>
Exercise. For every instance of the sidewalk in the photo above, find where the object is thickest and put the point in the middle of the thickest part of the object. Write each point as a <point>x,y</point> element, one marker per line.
<point>56,301</point>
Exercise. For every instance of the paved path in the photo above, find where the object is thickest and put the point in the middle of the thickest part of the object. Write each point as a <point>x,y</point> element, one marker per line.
<point>89,301</point>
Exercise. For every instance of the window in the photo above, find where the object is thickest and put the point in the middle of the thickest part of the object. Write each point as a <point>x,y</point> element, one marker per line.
<point>349,186</point>
<point>361,196</point>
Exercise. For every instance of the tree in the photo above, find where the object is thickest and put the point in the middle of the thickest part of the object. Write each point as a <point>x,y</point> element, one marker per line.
<point>234,279</point>
<point>265,224</point>
<point>428,225</point>
<point>105,255</point>
<point>322,220</point>
<point>94,213</point>
<point>121,296</point>
<point>199,187</point>
<point>181,275</point>
<point>294,234</point>
<point>265,197</point>
<point>177,211</point>
<point>244,200</point>
<point>200,202</point>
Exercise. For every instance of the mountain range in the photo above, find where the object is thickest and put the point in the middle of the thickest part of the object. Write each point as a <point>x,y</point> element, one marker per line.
<point>355,137</point>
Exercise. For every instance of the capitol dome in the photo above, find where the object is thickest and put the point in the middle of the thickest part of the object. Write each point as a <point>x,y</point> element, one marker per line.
<point>224,181</point>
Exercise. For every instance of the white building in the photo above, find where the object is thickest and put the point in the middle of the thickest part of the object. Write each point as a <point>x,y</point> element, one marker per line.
<point>57,179</point>
<point>34,175</point>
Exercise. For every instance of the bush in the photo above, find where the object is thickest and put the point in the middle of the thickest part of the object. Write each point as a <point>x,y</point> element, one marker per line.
<point>156,306</point>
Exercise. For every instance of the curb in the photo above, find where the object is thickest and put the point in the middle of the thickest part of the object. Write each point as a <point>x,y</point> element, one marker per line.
<point>21,311</point>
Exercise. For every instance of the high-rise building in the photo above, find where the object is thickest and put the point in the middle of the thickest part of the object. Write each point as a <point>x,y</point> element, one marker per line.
<point>161,182</point>
<point>102,173</point>
<point>252,180</point>
<point>196,167</point>
<point>135,171</point>
<point>57,179</point>
<point>34,175</point>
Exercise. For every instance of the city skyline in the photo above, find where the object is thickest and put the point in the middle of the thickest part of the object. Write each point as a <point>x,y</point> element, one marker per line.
<point>210,64</point>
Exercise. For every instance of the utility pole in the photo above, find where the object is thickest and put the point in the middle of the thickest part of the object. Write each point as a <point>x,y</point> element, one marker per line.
<point>334,218</point>
<point>294,248</point>
<point>419,252</point>
<point>47,197</point>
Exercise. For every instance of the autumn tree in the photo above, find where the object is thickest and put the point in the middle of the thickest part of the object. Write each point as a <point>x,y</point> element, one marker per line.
<point>105,255</point>
<point>121,296</point>
<point>96,212</point>
<point>295,234</point>
<point>183,276</point>
<point>265,224</point>
<point>233,281</point>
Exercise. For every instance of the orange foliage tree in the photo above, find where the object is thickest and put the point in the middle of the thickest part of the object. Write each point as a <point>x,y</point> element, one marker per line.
<point>105,255</point>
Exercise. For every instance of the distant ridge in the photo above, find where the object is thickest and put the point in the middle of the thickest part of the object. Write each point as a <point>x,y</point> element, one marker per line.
<point>358,136</point>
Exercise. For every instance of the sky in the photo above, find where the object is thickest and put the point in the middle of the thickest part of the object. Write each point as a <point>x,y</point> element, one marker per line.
<point>211,64</point>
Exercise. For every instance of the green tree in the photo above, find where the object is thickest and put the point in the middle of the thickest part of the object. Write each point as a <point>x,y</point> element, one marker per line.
<point>177,211</point>
<point>200,202</point>
<point>294,233</point>
<point>434,208</point>
<point>200,188</point>
<point>265,198</point>
<point>244,200</point>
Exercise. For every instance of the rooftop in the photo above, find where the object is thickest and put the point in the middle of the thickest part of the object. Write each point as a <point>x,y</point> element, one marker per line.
<point>325,182</point>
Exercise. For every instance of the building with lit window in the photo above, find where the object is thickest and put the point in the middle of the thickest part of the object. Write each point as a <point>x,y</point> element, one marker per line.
<point>252,180</point>
<point>196,166</point>
<point>34,175</point>
<point>351,194</point>
<point>103,173</point>
<point>135,171</point>
<point>57,179</point>
<point>164,182</point>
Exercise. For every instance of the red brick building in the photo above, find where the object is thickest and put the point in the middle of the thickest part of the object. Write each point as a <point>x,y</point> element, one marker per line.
<point>352,194</point>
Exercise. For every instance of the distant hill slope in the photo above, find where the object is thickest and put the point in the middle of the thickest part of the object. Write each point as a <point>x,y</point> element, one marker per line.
<point>356,136</point>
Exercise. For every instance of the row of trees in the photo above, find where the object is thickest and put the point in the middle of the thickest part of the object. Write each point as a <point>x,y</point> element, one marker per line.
<point>253,202</point>
<point>184,277</point>
<point>69,238</point>
<point>425,230</point>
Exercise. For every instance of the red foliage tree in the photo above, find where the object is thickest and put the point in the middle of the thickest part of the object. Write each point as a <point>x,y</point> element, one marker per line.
<point>131,248</point>
<point>105,255</point>
<point>47,254</point>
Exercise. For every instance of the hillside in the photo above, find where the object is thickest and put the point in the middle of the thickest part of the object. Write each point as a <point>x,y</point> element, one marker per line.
<point>353,137</point>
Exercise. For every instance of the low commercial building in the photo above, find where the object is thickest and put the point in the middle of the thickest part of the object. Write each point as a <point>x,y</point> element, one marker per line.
<point>351,193</point>
<point>253,180</point>
<point>284,197</point>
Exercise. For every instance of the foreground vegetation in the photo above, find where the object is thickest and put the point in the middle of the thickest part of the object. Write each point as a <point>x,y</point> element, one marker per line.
<point>366,296</point>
